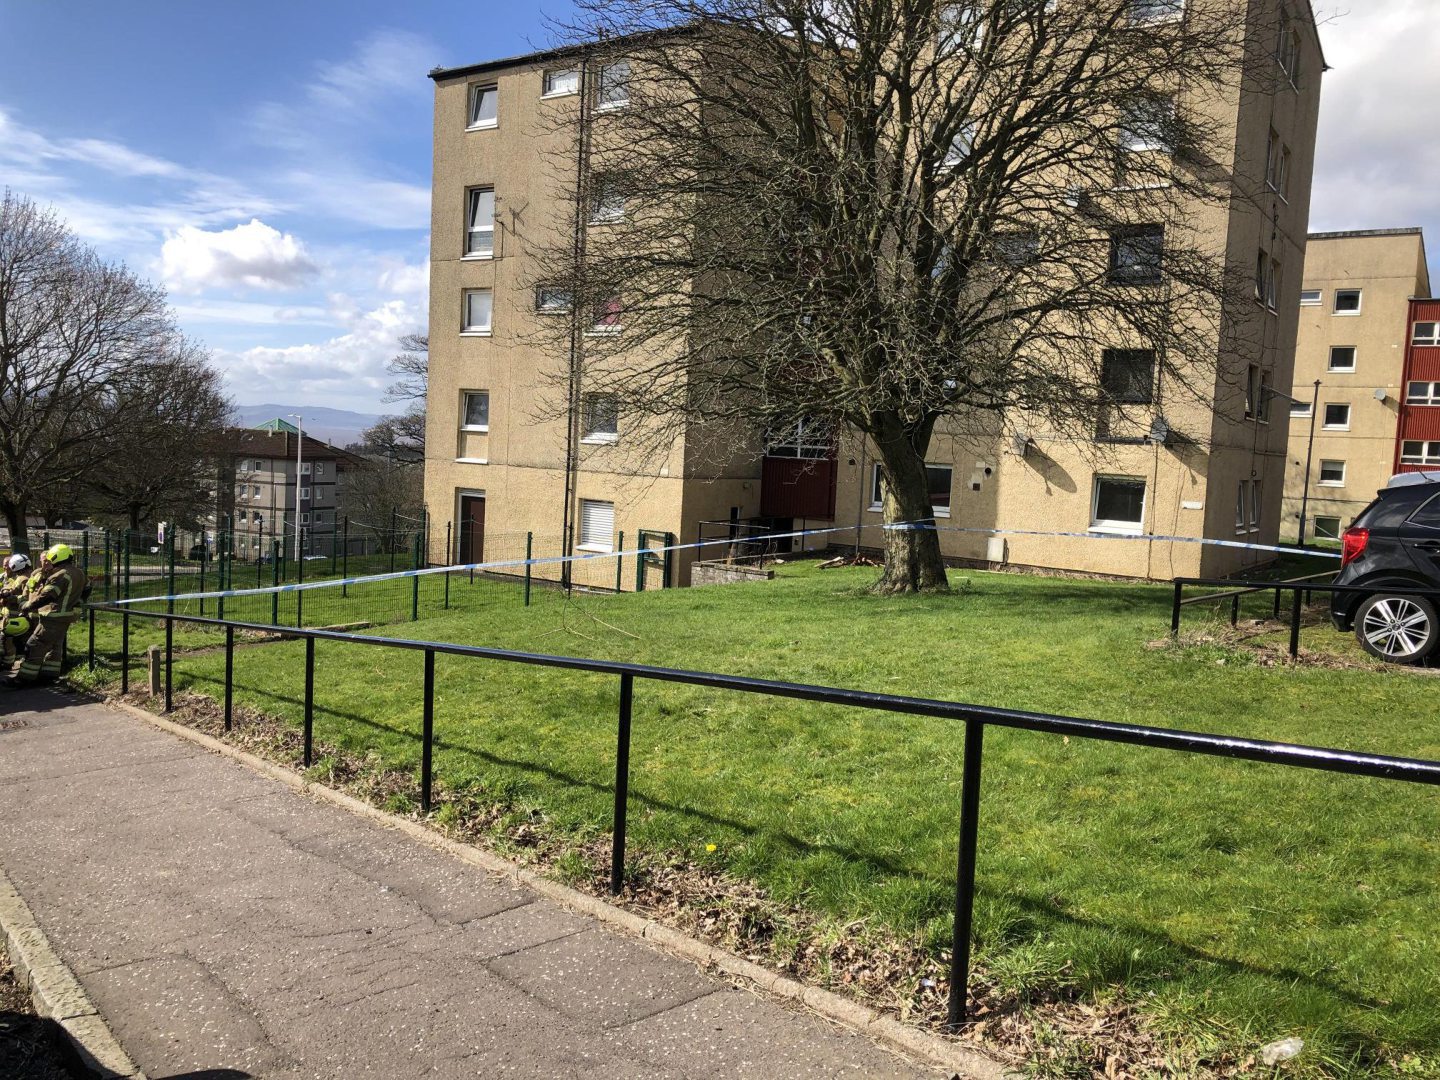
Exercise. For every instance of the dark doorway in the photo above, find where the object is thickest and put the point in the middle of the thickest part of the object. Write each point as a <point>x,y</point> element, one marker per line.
<point>472,528</point>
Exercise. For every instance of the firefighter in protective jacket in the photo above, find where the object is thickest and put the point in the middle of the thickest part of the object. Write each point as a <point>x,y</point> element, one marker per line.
<point>15,577</point>
<point>53,605</point>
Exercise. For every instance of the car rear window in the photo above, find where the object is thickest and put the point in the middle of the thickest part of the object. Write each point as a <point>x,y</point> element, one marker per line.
<point>1428,516</point>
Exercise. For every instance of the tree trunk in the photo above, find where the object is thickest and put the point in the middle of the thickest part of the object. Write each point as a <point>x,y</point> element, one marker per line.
<point>912,552</point>
<point>15,521</point>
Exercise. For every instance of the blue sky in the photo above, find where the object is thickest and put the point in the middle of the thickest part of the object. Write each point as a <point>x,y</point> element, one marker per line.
<point>270,163</point>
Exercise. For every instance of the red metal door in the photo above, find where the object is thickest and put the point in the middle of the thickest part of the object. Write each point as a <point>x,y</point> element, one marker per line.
<point>472,528</point>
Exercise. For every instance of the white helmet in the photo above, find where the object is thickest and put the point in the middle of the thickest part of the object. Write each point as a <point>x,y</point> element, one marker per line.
<point>18,563</point>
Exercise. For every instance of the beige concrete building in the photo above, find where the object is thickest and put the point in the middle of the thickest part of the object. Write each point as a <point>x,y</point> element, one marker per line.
<point>497,444</point>
<point>1349,372</point>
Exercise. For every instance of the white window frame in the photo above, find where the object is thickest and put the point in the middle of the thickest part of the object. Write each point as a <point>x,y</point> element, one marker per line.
<point>471,230</point>
<point>304,494</point>
<point>1110,525</point>
<point>1312,297</point>
<point>1255,492</point>
<point>465,396</point>
<point>1322,482</point>
<point>1334,534</point>
<point>589,529</point>
<point>607,203</point>
<point>552,308</point>
<point>1160,17</point>
<point>1300,409</point>
<point>877,490</point>
<point>1324,421</point>
<point>304,518</point>
<point>940,511</point>
<point>305,468</point>
<point>467,329</point>
<point>1428,454</point>
<point>1140,127</point>
<point>1359,301</point>
<point>597,327</point>
<point>590,435</point>
<point>548,79</point>
<point>602,104</point>
<point>962,145</point>
<point>1330,364</point>
<point>1431,338</point>
<point>476,89</point>
<point>1429,396</point>
<point>319,468</point>
<point>1241,502</point>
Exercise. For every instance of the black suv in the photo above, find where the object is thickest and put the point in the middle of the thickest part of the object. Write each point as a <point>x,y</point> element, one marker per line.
<point>1395,544</point>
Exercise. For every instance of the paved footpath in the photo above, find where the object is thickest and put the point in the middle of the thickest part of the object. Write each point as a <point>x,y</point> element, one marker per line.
<point>221,920</point>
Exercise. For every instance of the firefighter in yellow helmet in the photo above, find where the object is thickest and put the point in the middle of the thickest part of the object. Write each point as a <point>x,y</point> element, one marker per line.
<point>53,605</point>
<point>15,575</point>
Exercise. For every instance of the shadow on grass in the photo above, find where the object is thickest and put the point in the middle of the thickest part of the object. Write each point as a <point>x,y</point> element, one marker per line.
<point>1040,914</point>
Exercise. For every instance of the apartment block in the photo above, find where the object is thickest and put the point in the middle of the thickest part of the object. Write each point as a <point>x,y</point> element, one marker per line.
<point>498,439</point>
<point>1357,306</point>
<point>1418,440</point>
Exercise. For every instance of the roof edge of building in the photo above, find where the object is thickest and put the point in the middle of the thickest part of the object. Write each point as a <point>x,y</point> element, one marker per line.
<point>1346,234</point>
<point>558,52</point>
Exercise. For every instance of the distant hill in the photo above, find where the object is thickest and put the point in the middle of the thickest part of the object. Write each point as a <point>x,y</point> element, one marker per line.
<point>339,427</point>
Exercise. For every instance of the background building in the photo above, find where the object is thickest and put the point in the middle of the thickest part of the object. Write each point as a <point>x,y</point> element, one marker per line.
<point>507,454</point>
<point>1355,314</point>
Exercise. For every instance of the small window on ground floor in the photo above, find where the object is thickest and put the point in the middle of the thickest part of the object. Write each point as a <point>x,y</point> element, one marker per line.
<point>877,489</point>
<point>1332,473</point>
<point>939,478</point>
<point>1327,528</point>
<point>1118,504</point>
<point>597,525</point>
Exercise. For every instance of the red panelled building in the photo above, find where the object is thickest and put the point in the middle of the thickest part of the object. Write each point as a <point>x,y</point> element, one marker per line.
<point>1417,444</point>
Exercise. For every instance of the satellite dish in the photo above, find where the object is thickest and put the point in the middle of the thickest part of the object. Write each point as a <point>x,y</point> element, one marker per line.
<point>1380,394</point>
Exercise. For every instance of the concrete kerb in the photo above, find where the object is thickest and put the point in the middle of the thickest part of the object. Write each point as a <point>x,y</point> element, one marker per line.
<point>56,993</point>
<point>911,1042</point>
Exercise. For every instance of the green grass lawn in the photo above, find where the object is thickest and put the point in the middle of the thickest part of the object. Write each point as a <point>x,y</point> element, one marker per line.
<point>1238,902</point>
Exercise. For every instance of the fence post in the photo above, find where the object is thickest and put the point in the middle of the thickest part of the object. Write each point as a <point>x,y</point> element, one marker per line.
<point>125,651</point>
<point>1295,625</point>
<point>169,662</point>
<point>309,699</point>
<point>259,562</point>
<point>529,554</point>
<point>1175,610</point>
<point>224,560</point>
<point>1234,610</point>
<point>622,784</point>
<point>345,559</point>
<point>965,874</point>
<point>229,672</point>
<point>90,663</point>
<point>126,589</point>
<point>427,732</point>
<point>275,582</point>
<point>300,578</point>
<point>1277,604</point>
<point>619,561</point>
<point>415,581</point>
<point>448,526</point>
<point>170,590</point>
<point>392,545</point>
<point>204,553</point>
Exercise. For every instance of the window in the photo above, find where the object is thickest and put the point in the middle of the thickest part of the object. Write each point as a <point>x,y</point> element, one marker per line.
<point>1256,383</point>
<point>1347,302</point>
<point>938,477</point>
<point>607,316</point>
<point>304,494</point>
<point>1300,408</point>
<point>1332,474</point>
<point>1118,504</point>
<point>1016,248</point>
<point>1327,528</point>
<point>877,489</point>
<point>1342,358</point>
<point>1128,376</point>
<point>1309,297</point>
<point>480,223</point>
<point>305,468</point>
<point>1255,487</point>
<point>803,439</point>
<point>1419,453</point>
<point>600,418</point>
<point>962,26</point>
<point>612,86</point>
<point>597,525</point>
<point>561,81</point>
<point>476,316</point>
<point>1277,166</point>
<point>319,468</point>
<point>1240,504</point>
<point>607,202</point>
<point>1337,416</point>
<point>1135,254</point>
<point>475,409</point>
<point>960,146</point>
<point>304,518</point>
<point>551,300</point>
<point>240,516</point>
<point>1146,11</point>
<point>1267,273</point>
<point>255,492</point>
<point>259,465</point>
<point>1147,125</point>
<point>1423,393</point>
<point>1426,333</point>
<point>1262,402</point>
<point>483,102</point>
<point>1287,49</point>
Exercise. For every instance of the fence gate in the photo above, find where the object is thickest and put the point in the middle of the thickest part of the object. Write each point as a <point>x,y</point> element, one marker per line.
<point>653,563</point>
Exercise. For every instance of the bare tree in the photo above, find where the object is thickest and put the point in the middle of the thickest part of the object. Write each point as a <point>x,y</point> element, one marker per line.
<point>898,217</point>
<point>73,332</point>
<point>401,438</point>
<point>159,451</point>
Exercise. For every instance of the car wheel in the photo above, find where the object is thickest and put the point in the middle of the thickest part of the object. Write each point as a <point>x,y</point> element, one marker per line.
<point>1401,629</point>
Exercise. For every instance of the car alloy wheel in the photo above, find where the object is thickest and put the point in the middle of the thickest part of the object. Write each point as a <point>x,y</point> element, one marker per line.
<point>1397,628</point>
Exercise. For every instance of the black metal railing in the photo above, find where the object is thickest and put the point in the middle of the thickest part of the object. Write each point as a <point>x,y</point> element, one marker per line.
<point>735,542</point>
<point>974,717</point>
<point>1301,591</point>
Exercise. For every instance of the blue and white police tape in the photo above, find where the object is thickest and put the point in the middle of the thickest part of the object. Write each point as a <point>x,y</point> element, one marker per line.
<point>910,526</point>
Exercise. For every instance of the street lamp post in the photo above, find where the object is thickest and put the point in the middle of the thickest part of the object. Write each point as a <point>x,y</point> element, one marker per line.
<point>1309,453</point>
<point>299,465</point>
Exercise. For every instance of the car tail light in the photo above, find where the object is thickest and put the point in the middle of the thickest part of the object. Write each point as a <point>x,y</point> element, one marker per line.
<point>1355,541</point>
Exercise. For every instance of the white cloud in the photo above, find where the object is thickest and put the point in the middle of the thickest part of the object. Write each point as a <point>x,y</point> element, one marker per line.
<point>254,256</point>
<point>1374,163</point>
